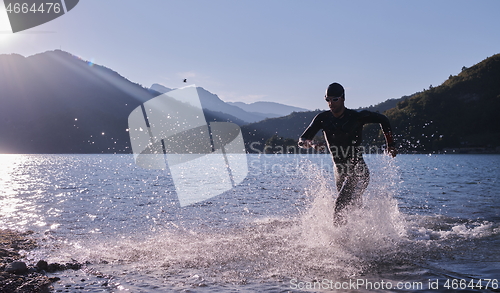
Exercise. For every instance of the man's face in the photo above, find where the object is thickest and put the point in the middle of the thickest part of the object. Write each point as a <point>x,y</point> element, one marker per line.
<point>336,104</point>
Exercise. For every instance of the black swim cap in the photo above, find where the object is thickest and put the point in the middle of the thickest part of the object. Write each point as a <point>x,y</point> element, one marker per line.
<point>334,90</point>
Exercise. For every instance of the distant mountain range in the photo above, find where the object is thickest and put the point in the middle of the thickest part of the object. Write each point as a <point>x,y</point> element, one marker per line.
<point>268,109</point>
<point>248,113</point>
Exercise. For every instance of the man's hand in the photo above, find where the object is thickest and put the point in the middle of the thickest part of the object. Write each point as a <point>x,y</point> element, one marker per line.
<point>305,144</point>
<point>318,146</point>
<point>392,151</point>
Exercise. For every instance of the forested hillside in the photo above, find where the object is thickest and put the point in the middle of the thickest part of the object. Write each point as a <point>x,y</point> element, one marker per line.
<point>458,116</point>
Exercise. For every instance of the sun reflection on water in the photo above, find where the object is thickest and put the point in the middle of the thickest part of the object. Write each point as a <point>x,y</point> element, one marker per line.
<point>14,203</point>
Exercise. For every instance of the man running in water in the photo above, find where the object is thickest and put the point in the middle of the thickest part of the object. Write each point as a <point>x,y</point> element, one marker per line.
<point>342,129</point>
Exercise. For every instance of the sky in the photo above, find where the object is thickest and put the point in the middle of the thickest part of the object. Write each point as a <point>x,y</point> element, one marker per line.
<point>275,50</point>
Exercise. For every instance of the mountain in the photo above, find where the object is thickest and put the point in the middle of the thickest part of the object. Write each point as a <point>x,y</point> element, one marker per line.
<point>55,102</point>
<point>385,105</point>
<point>212,102</point>
<point>460,115</point>
<point>268,109</point>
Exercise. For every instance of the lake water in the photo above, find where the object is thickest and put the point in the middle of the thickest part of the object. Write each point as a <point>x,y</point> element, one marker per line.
<point>428,223</point>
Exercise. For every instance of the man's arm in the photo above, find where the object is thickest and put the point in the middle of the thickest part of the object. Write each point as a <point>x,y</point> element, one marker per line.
<point>373,117</point>
<point>391,148</point>
<point>305,140</point>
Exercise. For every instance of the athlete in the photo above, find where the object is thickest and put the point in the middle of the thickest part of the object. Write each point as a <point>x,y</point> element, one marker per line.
<point>342,129</point>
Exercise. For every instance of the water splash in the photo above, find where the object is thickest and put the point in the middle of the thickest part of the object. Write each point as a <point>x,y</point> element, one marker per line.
<point>306,245</point>
<point>371,233</point>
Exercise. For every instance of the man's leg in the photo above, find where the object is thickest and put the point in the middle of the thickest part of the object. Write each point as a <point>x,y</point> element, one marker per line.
<point>351,183</point>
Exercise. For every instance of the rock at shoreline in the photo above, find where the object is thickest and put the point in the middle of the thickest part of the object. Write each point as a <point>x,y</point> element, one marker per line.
<point>17,267</point>
<point>14,277</point>
<point>42,265</point>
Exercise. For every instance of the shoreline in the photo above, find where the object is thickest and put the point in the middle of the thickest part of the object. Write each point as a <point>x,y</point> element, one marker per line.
<point>15,275</point>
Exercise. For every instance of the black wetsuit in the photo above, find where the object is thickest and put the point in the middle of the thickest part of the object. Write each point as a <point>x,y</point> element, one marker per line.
<point>344,136</point>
